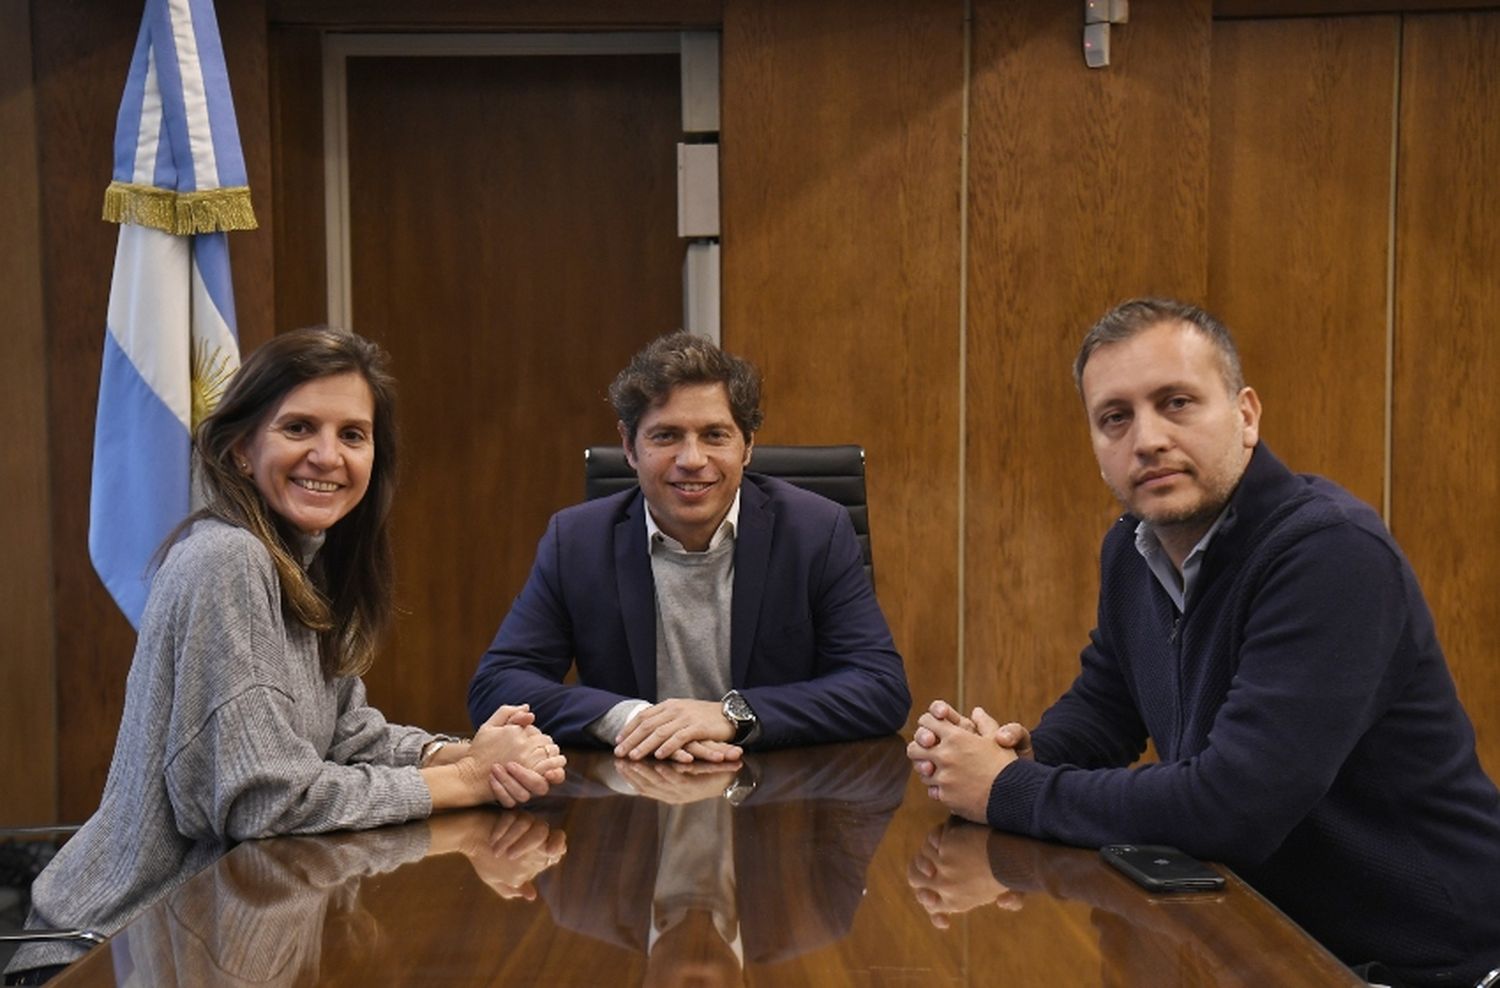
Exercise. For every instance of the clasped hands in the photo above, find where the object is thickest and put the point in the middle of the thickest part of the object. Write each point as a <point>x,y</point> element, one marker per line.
<point>515,759</point>
<point>959,757</point>
<point>680,729</point>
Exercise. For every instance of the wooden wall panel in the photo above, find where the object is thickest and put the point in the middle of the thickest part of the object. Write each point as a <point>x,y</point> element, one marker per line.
<point>1300,188</point>
<point>1445,503</point>
<point>296,81</point>
<point>1323,8</point>
<point>82,52</point>
<point>513,242</point>
<point>253,256</point>
<point>28,728</point>
<point>1086,187</point>
<point>841,168</point>
<point>841,199</point>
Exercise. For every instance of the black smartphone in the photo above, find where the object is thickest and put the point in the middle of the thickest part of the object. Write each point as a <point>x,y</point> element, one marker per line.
<point>1162,869</point>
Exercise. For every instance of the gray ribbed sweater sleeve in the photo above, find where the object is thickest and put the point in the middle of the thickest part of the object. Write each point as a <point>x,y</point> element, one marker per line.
<point>246,774</point>
<point>362,734</point>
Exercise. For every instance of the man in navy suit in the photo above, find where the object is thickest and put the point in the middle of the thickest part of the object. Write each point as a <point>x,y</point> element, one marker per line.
<point>706,610</point>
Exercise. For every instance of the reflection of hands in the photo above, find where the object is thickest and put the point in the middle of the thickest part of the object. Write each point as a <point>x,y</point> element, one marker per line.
<point>958,757</point>
<point>671,782</point>
<point>508,850</point>
<point>950,873</point>
<point>680,729</point>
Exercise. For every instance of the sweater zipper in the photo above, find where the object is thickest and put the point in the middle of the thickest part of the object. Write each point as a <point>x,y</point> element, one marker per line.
<point>1175,640</point>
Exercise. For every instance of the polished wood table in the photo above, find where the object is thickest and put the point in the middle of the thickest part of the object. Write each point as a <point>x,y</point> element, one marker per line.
<point>821,866</point>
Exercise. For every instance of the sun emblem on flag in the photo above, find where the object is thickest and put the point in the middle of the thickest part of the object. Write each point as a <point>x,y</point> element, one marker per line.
<point>212,367</point>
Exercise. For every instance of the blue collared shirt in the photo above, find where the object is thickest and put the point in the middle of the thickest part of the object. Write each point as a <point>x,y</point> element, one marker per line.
<point>1177,585</point>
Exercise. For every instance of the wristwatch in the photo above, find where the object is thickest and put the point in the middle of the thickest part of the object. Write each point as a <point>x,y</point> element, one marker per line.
<point>737,711</point>
<point>430,749</point>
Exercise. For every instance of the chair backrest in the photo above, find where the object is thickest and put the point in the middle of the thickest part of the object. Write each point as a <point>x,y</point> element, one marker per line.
<point>836,472</point>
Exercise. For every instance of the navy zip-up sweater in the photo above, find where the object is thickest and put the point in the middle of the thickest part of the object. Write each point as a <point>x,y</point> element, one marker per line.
<point>1307,727</point>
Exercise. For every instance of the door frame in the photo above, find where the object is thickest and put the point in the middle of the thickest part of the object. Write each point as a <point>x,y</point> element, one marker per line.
<point>338,48</point>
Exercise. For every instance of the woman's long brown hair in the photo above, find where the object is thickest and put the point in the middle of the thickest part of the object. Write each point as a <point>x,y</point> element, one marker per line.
<point>346,594</point>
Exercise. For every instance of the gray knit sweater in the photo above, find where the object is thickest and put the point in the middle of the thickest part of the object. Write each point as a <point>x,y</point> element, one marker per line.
<point>230,732</point>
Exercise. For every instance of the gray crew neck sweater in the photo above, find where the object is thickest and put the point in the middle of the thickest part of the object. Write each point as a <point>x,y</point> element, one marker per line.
<point>693,595</point>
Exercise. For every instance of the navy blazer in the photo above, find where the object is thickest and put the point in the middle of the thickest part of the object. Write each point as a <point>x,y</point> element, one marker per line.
<point>809,647</point>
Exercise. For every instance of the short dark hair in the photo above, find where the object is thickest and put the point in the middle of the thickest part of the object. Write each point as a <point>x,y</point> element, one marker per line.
<point>675,359</point>
<point>1138,314</point>
<point>345,596</point>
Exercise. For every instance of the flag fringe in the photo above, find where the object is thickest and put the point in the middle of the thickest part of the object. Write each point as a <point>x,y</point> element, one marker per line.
<point>179,213</point>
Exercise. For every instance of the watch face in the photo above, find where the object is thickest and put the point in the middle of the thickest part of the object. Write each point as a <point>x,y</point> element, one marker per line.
<point>737,711</point>
<point>737,708</point>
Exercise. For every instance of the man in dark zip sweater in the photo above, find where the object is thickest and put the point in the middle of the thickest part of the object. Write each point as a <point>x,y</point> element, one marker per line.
<point>1264,630</point>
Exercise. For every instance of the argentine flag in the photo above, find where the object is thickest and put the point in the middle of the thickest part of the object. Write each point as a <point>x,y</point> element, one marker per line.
<point>170,343</point>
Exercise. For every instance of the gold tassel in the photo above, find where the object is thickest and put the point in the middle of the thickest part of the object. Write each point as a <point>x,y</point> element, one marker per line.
<point>179,213</point>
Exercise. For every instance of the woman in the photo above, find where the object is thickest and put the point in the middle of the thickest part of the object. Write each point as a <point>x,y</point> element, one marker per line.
<point>244,712</point>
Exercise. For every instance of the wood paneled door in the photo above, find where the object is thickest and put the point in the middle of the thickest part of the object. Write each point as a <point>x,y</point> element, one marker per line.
<point>512,240</point>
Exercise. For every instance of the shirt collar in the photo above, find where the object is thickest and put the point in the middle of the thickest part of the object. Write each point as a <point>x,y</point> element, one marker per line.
<point>725,531</point>
<point>1177,585</point>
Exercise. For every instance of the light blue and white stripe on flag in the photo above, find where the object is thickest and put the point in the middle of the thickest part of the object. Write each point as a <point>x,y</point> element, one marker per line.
<point>170,343</point>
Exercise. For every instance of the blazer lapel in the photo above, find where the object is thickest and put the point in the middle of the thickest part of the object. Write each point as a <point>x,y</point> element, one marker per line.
<point>752,556</point>
<point>637,593</point>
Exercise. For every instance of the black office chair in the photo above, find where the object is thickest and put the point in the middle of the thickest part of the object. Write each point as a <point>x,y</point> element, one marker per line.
<point>24,852</point>
<point>836,472</point>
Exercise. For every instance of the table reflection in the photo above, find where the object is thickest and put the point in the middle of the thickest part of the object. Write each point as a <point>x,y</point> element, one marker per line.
<point>674,875</point>
<point>1171,940</point>
<point>259,917</point>
<point>701,857</point>
<point>807,867</point>
<point>262,915</point>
